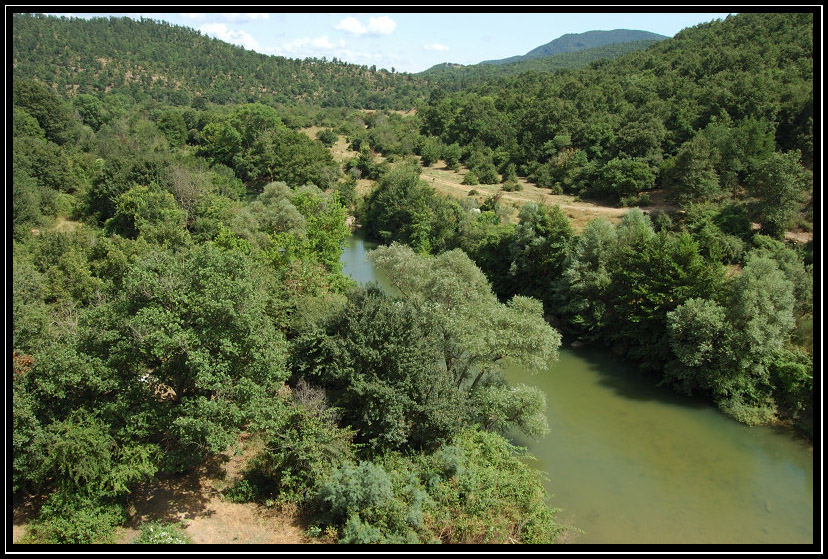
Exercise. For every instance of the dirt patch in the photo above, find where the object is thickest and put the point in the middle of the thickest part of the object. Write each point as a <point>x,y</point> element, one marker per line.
<point>197,502</point>
<point>24,509</point>
<point>800,237</point>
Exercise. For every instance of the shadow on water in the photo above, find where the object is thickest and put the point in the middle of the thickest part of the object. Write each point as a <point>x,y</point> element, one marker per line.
<point>627,381</point>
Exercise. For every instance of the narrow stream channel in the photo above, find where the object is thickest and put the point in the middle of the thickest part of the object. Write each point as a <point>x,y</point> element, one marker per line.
<point>629,463</point>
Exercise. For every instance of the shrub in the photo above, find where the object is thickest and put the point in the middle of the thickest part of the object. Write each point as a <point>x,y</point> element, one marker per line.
<point>376,503</point>
<point>482,491</point>
<point>759,413</point>
<point>242,491</point>
<point>301,452</point>
<point>352,489</point>
<point>67,518</point>
<point>160,533</point>
<point>327,136</point>
<point>512,185</point>
<point>470,179</point>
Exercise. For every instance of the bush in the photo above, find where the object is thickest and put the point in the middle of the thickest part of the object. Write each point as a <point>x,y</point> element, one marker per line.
<point>68,518</point>
<point>482,491</point>
<point>327,136</point>
<point>470,178</point>
<point>356,489</point>
<point>634,200</point>
<point>243,491</point>
<point>760,413</point>
<point>376,503</point>
<point>300,454</point>
<point>512,185</point>
<point>160,533</point>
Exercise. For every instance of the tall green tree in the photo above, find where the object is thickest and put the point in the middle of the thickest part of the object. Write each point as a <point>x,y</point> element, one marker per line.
<point>194,327</point>
<point>538,248</point>
<point>477,333</point>
<point>780,184</point>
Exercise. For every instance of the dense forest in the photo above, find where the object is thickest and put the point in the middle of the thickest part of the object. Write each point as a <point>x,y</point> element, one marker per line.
<point>176,279</point>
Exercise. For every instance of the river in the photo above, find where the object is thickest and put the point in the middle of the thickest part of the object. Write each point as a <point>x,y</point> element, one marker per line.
<point>629,463</point>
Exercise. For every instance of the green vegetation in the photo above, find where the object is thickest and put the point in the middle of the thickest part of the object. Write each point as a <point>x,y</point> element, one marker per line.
<point>158,533</point>
<point>454,77</point>
<point>176,277</point>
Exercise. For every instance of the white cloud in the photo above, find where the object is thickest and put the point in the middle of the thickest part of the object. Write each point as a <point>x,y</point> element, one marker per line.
<point>383,25</point>
<point>307,47</point>
<point>435,46</point>
<point>235,36</point>
<point>226,18</point>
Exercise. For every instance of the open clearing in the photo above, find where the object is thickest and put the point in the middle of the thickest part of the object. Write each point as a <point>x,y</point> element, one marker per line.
<point>448,182</point>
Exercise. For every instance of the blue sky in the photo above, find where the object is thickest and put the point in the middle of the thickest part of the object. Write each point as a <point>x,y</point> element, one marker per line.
<point>412,42</point>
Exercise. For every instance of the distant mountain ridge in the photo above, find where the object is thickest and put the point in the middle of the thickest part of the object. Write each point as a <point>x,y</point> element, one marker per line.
<point>456,76</point>
<point>572,42</point>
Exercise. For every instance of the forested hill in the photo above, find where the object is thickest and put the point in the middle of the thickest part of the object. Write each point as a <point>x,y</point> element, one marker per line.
<point>704,85</point>
<point>572,42</point>
<point>172,63</point>
<point>454,76</point>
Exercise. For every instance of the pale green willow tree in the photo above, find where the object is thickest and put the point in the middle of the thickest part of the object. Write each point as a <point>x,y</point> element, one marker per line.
<point>477,334</point>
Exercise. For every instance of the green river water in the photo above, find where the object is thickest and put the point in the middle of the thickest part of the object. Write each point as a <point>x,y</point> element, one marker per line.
<point>630,463</point>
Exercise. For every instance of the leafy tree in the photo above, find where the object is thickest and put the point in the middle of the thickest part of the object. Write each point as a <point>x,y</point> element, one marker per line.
<point>252,120</point>
<point>47,162</point>
<point>692,175</point>
<point>452,154</point>
<point>581,294</point>
<point>477,332</point>
<point>26,204</point>
<point>198,322</point>
<point>172,125</point>
<point>501,407</point>
<point>378,362</point>
<point>780,184</point>
<point>538,249</point>
<point>91,110</point>
<point>761,310</point>
<point>623,177</point>
<point>46,106</point>
<point>221,142</point>
<point>404,208</point>
<point>430,151</point>
<point>279,154</point>
<point>149,211</point>
<point>327,136</point>
<point>24,124</point>
<point>700,337</point>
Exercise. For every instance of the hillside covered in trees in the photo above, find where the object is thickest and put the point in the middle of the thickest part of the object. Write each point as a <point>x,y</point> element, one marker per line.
<point>176,64</point>
<point>176,281</point>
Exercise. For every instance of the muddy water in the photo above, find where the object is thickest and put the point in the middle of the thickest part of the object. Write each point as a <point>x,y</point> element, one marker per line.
<point>628,462</point>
